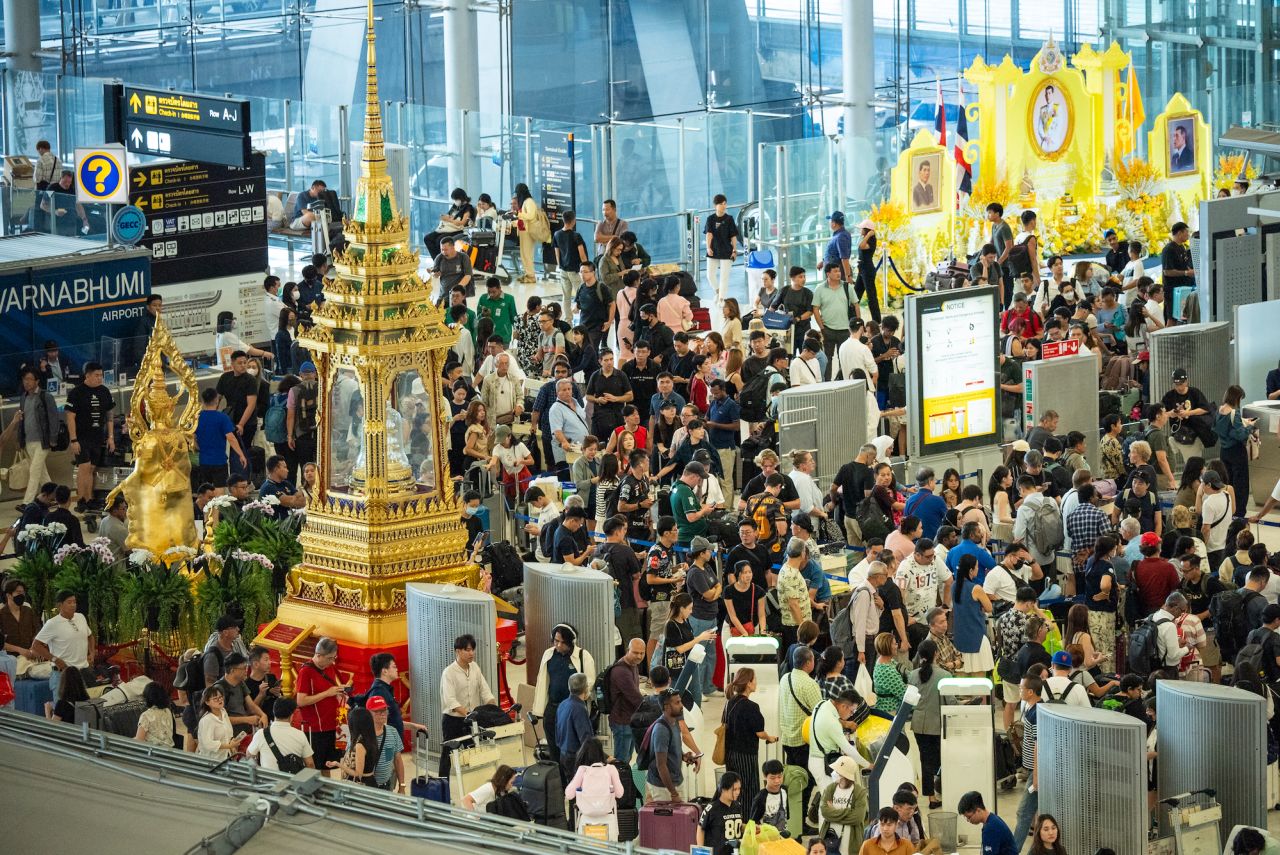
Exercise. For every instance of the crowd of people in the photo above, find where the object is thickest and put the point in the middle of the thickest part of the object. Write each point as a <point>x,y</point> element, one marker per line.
<point>666,430</point>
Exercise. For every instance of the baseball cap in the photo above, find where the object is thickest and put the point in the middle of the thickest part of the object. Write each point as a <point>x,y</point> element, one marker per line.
<point>836,217</point>
<point>307,366</point>
<point>1211,479</point>
<point>866,224</point>
<point>699,544</point>
<point>803,520</point>
<point>377,703</point>
<point>1021,445</point>
<point>1179,375</point>
<point>693,467</point>
<point>1150,538</point>
<point>1062,659</point>
<point>1109,233</point>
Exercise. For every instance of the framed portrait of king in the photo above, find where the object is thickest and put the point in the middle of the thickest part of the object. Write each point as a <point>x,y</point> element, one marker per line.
<point>1050,122</point>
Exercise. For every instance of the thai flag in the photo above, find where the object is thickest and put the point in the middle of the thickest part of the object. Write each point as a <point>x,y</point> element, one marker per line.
<point>964,169</point>
<point>940,118</point>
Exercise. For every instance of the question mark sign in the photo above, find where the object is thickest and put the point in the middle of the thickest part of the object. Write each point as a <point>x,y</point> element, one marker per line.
<point>101,168</point>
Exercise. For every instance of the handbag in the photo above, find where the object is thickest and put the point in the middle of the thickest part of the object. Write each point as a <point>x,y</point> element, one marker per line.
<point>775,319</point>
<point>864,685</point>
<point>7,694</point>
<point>19,471</point>
<point>748,625</point>
<point>1253,446</point>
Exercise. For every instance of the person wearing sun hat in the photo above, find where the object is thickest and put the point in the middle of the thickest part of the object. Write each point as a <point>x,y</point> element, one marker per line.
<point>843,808</point>
<point>866,283</point>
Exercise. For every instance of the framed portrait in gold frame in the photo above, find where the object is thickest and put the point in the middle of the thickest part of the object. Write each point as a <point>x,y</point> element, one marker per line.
<point>1050,121</point>
<point>925,193</point>
<point>1181,151</point>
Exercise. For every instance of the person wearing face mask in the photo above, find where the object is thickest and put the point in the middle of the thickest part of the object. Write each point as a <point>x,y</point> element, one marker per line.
<point>19,622</point>
<point>228,342</point>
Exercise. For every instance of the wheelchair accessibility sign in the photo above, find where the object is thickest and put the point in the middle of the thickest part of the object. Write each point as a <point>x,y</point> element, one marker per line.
<point>102,175</point>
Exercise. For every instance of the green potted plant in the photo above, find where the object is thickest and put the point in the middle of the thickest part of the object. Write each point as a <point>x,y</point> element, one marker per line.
<point>35,565</point>
<point>263,527</point>
<point>92,572</point>
<point>239,577</point>
<point>156,593</point>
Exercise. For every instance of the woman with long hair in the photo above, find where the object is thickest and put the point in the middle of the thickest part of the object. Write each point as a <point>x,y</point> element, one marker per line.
<point>1015,458</point>
<point>1046,838</point>
<point>610,272</point>
<point>972,605</point>
<point>743,732</point>
<point>595,788</point>
<point>526,212</point>
<point>733,369</point>
<point>478,439</point>
<point>497,786</point>
<point>216,738</point>
<point>286,330</point>
<point>674,310</point>
<point>1076,631</point>
<point>679,639</point>
<point>1233,433</point>
<point>525,333</point>
<point>607,481</point>
<point>926,718</point>
<point>1189,484</point>
<point>362,747</point>
<point>731,330</point>
<point>832,679</point>
<point>951,480</point>
<point>713,350</point>
<point>71,691</point>
<point>1101,595</point>
<point>999,489</point>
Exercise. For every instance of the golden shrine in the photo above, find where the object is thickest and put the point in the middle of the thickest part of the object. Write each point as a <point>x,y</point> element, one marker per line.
<point>385,513</point>
<point>1061,139</point>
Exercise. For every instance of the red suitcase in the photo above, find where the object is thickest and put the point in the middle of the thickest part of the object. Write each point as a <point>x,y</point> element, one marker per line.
<point>669,825</point>
<point>701,320</point>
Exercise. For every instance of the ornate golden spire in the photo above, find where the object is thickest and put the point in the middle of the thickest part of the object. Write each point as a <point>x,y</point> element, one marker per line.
<point>375,201</point>
<point>373,142</point>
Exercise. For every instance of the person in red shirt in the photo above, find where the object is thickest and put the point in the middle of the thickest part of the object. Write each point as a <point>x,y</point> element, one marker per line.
<point>320,695</point>
<point>1154,577</point>
<point>1021,310</point>
<point>630,422</point>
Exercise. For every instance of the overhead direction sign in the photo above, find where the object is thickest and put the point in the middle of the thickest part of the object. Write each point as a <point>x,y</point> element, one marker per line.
<point>101,175</point>
<point>178,124</point>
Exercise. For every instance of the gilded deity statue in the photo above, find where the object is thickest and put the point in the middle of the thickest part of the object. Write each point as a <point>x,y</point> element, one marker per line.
<point>159,488</point>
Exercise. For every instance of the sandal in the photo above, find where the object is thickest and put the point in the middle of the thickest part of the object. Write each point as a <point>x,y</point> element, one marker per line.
<point>934,804</point>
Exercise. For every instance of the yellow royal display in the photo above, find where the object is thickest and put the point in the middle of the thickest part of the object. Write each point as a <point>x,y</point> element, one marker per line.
<point>385,513</point>
<point>1059,138</point>
<point>158,490</point>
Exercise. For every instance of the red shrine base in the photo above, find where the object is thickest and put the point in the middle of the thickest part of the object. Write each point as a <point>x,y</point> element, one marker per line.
<point>353,662</point>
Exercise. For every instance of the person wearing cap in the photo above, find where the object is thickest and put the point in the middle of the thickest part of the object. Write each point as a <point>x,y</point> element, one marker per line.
<point>388,766</point>
<point>1215,515</point>
<point>302,419</point>
<point>224,641</point>
<point>866,283</point>
<point>839,249</point>
<point>660,337</point>
<point>807,370</point>
<point>567,548</point>
<point>1059,687</point>
<point>705,589</point>
<point>1176,267</point>
<point>832,309</point>
<point>1188,407</point>
<point>690,514</point>
<point>245,714</point>
<point>843,807</point>
<point>721,233</point>
<point>214,433</point>
<point>793,591</point>
<point>1154,577</point>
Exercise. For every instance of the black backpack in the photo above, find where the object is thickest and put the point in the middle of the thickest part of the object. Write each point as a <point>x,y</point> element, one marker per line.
<point>547,538</point>
<point>308,401</point>
<point>872,519</point>
<point>1250,673</point>
<point>603,704</point>
<point>649,711</point>
<point>1229,610</point>
<point>291,764</point>
<point>754,397</point>
<point>1145,655</point>
<point>505,564</point>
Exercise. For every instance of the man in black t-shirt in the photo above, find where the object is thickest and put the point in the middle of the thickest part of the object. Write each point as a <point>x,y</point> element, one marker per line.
<point>642,372</point>
<point>894,618</point>
<point>752,551</point>
<point>1187,406</point>
<point>239,391</point>
<point>633,499</point>
<point>90,431</point>
<point>721,233</point>
<point>855,480</point>
<point>885,348</point>
<point>608,389</point>
<point>1176,267</point>
<point>624,567</point>
<point>757,357</point>
<point>767,460</point>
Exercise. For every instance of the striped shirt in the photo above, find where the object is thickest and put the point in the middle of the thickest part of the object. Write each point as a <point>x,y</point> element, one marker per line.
<point>797,686</point>
<point>384,769</point>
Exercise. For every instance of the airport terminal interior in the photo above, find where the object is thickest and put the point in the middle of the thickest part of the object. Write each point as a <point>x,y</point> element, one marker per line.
<point>776,427</point>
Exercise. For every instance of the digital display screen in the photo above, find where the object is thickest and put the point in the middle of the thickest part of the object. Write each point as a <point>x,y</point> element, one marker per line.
<point>957,369</point>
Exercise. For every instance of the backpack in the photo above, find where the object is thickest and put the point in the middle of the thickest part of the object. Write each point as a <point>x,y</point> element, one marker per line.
<point>308,397</point>
<point>842,627</point>
<point>644,756</point>
<point>1250,674</point>
<point>754,397</point>
<point>1062,698</point>
<point>872,520</point>
<point>595,794</point>
<point>649,711</point>
<point>1019,259</point>
<point>603,704</point>
<point>505,564</point>
<point>511,806</point>
<point>275,423</point>
<point>290,764</point>
<point>1044,529</point>
<point>547,539</point>
<point>1144,647</point>
<point>1229,612</point>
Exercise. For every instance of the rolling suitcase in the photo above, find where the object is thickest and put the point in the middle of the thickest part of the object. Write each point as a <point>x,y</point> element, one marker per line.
<point>424,786</point>
<point>120,719</point>
<point>542,789</point>
<point>629,824</point>
<point>669,825</point>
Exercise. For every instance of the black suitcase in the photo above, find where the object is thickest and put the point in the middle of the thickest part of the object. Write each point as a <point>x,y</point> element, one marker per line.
<point>628,824</point>
<point>542,789</point>
<point>630,799</point>
<point>1006,763</point>
<point>120,719</point>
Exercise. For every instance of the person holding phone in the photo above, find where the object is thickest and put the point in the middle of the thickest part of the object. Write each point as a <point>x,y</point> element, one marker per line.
<point>320,695</point>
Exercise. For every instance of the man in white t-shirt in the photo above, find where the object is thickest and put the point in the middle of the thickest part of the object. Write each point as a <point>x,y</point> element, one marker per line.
<point>852,354</point>
<point>1017,567</point>
<point>1215,511</point>
<point>858,574</point>
<point>1059,686</point>
<point>924,579</point>
<point>66,639</point>
<point>287,738</point>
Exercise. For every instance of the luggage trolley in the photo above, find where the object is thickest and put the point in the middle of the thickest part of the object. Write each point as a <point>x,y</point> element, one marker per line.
<point>1194,818</point>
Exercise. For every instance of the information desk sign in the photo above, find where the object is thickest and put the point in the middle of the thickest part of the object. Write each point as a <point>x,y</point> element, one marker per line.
<point>101,175</point>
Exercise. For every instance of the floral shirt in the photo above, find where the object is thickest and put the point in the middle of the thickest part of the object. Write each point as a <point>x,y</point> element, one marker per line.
<point>527,333</point>
<point>1112,457</point>
<point>1010,627</point>
<point>792,586</point>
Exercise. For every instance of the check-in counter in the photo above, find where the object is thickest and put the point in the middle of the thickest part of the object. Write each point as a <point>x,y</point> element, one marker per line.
<point>1265,471</point>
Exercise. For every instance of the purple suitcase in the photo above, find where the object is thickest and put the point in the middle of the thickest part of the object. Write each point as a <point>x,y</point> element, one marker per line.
<point>669,825</point>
